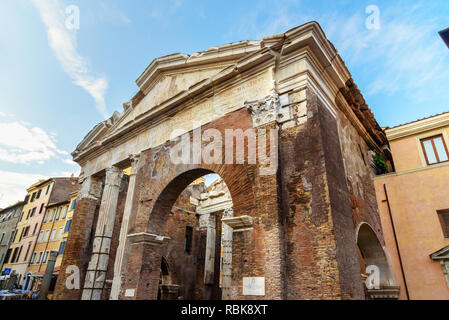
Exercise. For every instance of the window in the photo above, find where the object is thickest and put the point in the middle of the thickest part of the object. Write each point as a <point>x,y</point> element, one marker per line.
<point>3,236</point>
<point>28,214</point>
<point>33,257</point>
<point>14,255</point>
<point>35,228</point>
<point>65,212</point>
<point>38,194</point>
<point>435,150</point>
<point>46,235</point>
<point>32,212</point>
<point>59,233</point>
<point>52,215</point>
<point>27,197</point>
<point>58,214</point>
<point>48,188</point>
<point>45,257</point>
<point>39,257</point>
<point>11,238</point>
<point>42,208</point>
<point>67,226</point>
<point>33,196</point>
<point>25,231</point>
<point>28,250</point>
<point>53,234</point>
<point>41,234</point>
<point>18,254</point>
<point>73,204</point>
<point>8,254</point>
<point>443,215</point>
<point>61,248</point>
<point>46,215</point>
<point>188,239</point>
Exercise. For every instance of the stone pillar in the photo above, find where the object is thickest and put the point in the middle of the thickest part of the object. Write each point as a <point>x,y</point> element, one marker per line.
<point>77,253</point>
<point>226,267</point>
<point>46,281</point>
<point>98,265</point>
<point>117,281</point>
<point>142,272</point>
<point>208,222</point>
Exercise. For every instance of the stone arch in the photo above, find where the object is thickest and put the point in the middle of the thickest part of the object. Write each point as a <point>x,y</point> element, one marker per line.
<point>373,253</point>
<point>159,193</point>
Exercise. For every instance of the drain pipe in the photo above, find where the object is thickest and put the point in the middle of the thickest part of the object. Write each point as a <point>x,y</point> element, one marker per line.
<point>396,240</point>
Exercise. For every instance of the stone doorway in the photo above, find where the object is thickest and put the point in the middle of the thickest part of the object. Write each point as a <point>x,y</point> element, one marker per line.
<point>196,249</point>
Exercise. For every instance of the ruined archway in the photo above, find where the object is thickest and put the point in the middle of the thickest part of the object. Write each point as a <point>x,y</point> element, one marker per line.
<point>374,264</point>
<point>187,219</point>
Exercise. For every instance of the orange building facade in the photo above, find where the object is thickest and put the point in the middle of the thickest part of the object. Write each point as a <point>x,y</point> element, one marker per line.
<point>414,207</point>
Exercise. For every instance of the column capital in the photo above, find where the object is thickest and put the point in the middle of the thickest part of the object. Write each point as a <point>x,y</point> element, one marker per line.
<point>113,176</point>
<point>90,188</point>
<point>268,109</point>
<point>240,223</point>
<point>134,163</point>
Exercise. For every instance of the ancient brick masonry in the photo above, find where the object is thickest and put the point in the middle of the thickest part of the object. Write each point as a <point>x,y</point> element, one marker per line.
<point>295,228</point>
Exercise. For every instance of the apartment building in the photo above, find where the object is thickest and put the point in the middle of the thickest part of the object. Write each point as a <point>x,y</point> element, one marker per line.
<point>39,195</point>
<point>414,207</point>
<point>9,217</point>
<point>52,237</point>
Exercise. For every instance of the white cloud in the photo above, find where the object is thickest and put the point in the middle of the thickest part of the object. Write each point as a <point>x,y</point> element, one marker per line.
<point>22,143</point>
<point>63,43</point>
<point>70,162</point>
<point>13,186</point>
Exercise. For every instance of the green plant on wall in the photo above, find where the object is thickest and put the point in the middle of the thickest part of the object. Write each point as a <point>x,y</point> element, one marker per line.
<point>379,164</point>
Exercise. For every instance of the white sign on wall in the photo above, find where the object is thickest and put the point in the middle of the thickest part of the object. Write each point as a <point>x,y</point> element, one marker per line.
<point>130,292</point>
<point>253,286</point>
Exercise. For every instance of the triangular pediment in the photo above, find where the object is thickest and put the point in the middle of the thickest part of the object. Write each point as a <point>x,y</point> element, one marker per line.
<point>442,254</point>
<point>167,77</point>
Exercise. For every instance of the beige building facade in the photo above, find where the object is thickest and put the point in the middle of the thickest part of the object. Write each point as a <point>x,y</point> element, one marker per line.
<point>414,207</point>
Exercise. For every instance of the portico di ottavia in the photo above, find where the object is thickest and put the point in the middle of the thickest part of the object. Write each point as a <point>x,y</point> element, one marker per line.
<point>147,227</point>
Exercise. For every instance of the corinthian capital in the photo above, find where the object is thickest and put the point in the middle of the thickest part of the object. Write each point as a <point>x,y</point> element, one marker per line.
<point>113,176</point>
<point>134,163</point>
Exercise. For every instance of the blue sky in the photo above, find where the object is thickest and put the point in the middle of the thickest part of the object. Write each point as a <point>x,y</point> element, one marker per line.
<point>56,83</point>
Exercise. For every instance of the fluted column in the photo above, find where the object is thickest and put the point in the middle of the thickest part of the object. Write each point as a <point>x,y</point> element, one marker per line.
<point>117,280</point>
<point>207,222</point>
<point>226,267</point>
<point>98,265</point>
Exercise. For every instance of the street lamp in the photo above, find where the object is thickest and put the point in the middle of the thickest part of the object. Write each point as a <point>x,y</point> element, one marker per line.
<point>445,36</point>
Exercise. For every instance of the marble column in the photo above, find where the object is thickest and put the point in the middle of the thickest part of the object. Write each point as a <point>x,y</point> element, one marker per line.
<point>96,272</point>
<point>208,222</point>
<point>226,266</point>
<point>117,280</point>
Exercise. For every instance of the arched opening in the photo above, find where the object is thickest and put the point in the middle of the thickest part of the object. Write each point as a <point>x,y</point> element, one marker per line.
<point>379,281</point>
<point>191,265</point>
